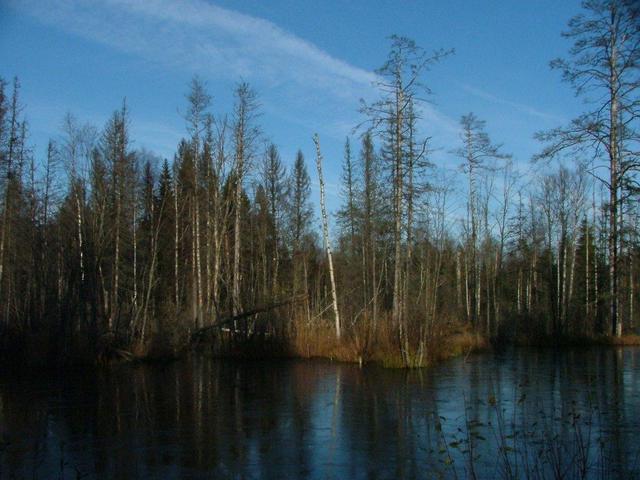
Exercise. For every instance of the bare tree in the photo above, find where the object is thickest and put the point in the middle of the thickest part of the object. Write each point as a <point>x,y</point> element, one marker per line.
<point>199,101</point>
<point>603,68</point>
<point>478,153</point>
<point>400,87</point>
<point>325,232</point>
<point>245,135</point>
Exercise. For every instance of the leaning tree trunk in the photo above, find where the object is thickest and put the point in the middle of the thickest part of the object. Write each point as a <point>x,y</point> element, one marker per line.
<point>325,231</point>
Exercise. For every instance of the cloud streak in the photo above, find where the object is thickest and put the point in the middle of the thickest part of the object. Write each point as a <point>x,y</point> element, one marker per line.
<point>300,82</point>
<point>203,37</point>
<point>521,107</point>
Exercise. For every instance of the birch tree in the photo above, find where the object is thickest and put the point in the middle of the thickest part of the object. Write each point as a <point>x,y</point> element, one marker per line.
<point>198,103</point>
<point>478,152</point>
<point>325,233</point>
<point>603,69</point>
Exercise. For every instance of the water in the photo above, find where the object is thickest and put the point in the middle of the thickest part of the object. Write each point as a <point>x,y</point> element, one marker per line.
<point>520,414</point>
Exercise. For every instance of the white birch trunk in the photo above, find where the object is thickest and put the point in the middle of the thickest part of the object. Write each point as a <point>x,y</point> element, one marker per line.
<point>325,231</point>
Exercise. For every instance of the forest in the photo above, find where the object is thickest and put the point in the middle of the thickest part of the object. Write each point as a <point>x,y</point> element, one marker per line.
<point>107,251</point>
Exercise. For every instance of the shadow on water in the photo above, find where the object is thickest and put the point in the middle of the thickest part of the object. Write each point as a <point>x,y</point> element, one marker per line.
<point>517,414</point>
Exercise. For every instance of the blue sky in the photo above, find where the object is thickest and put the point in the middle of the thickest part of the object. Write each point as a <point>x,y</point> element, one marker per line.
<point>310,63</point>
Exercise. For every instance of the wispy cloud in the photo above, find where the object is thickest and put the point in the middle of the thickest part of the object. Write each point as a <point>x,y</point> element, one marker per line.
<point>203,37</point>
<point>521,107</point>
<point>301,82</point>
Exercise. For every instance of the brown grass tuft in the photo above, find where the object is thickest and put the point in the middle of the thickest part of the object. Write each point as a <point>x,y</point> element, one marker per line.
<point>361,343</point>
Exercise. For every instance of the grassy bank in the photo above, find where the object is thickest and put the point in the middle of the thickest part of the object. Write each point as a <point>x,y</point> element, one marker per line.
<point>360,343</point>
<point>383,347</point>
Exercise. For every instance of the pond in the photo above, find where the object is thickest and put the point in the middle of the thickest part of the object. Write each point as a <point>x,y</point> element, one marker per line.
<point>516,414</point>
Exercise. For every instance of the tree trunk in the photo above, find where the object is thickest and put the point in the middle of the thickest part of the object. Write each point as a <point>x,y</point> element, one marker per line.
<point>116,262</point>
<point>235,295</point>
<point>176,243</point>
<point>616,323</point>
<point>325,232</point>
<point>196,202</point>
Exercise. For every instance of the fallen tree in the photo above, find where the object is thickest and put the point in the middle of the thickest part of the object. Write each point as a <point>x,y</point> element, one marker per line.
<point>199,334</point>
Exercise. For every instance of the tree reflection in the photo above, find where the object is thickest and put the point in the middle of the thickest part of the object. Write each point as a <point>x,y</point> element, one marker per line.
<point>518,414</point>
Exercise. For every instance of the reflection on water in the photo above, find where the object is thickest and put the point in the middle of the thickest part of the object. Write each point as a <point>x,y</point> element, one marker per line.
<point>522,414</point>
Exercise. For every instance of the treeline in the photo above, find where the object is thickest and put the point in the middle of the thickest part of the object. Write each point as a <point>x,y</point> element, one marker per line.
<point>104,245</point>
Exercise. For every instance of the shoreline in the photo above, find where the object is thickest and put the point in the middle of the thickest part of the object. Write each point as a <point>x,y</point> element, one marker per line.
<point>348,350</point>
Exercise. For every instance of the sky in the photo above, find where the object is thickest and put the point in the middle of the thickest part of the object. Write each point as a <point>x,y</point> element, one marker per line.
<point>309,62</point>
